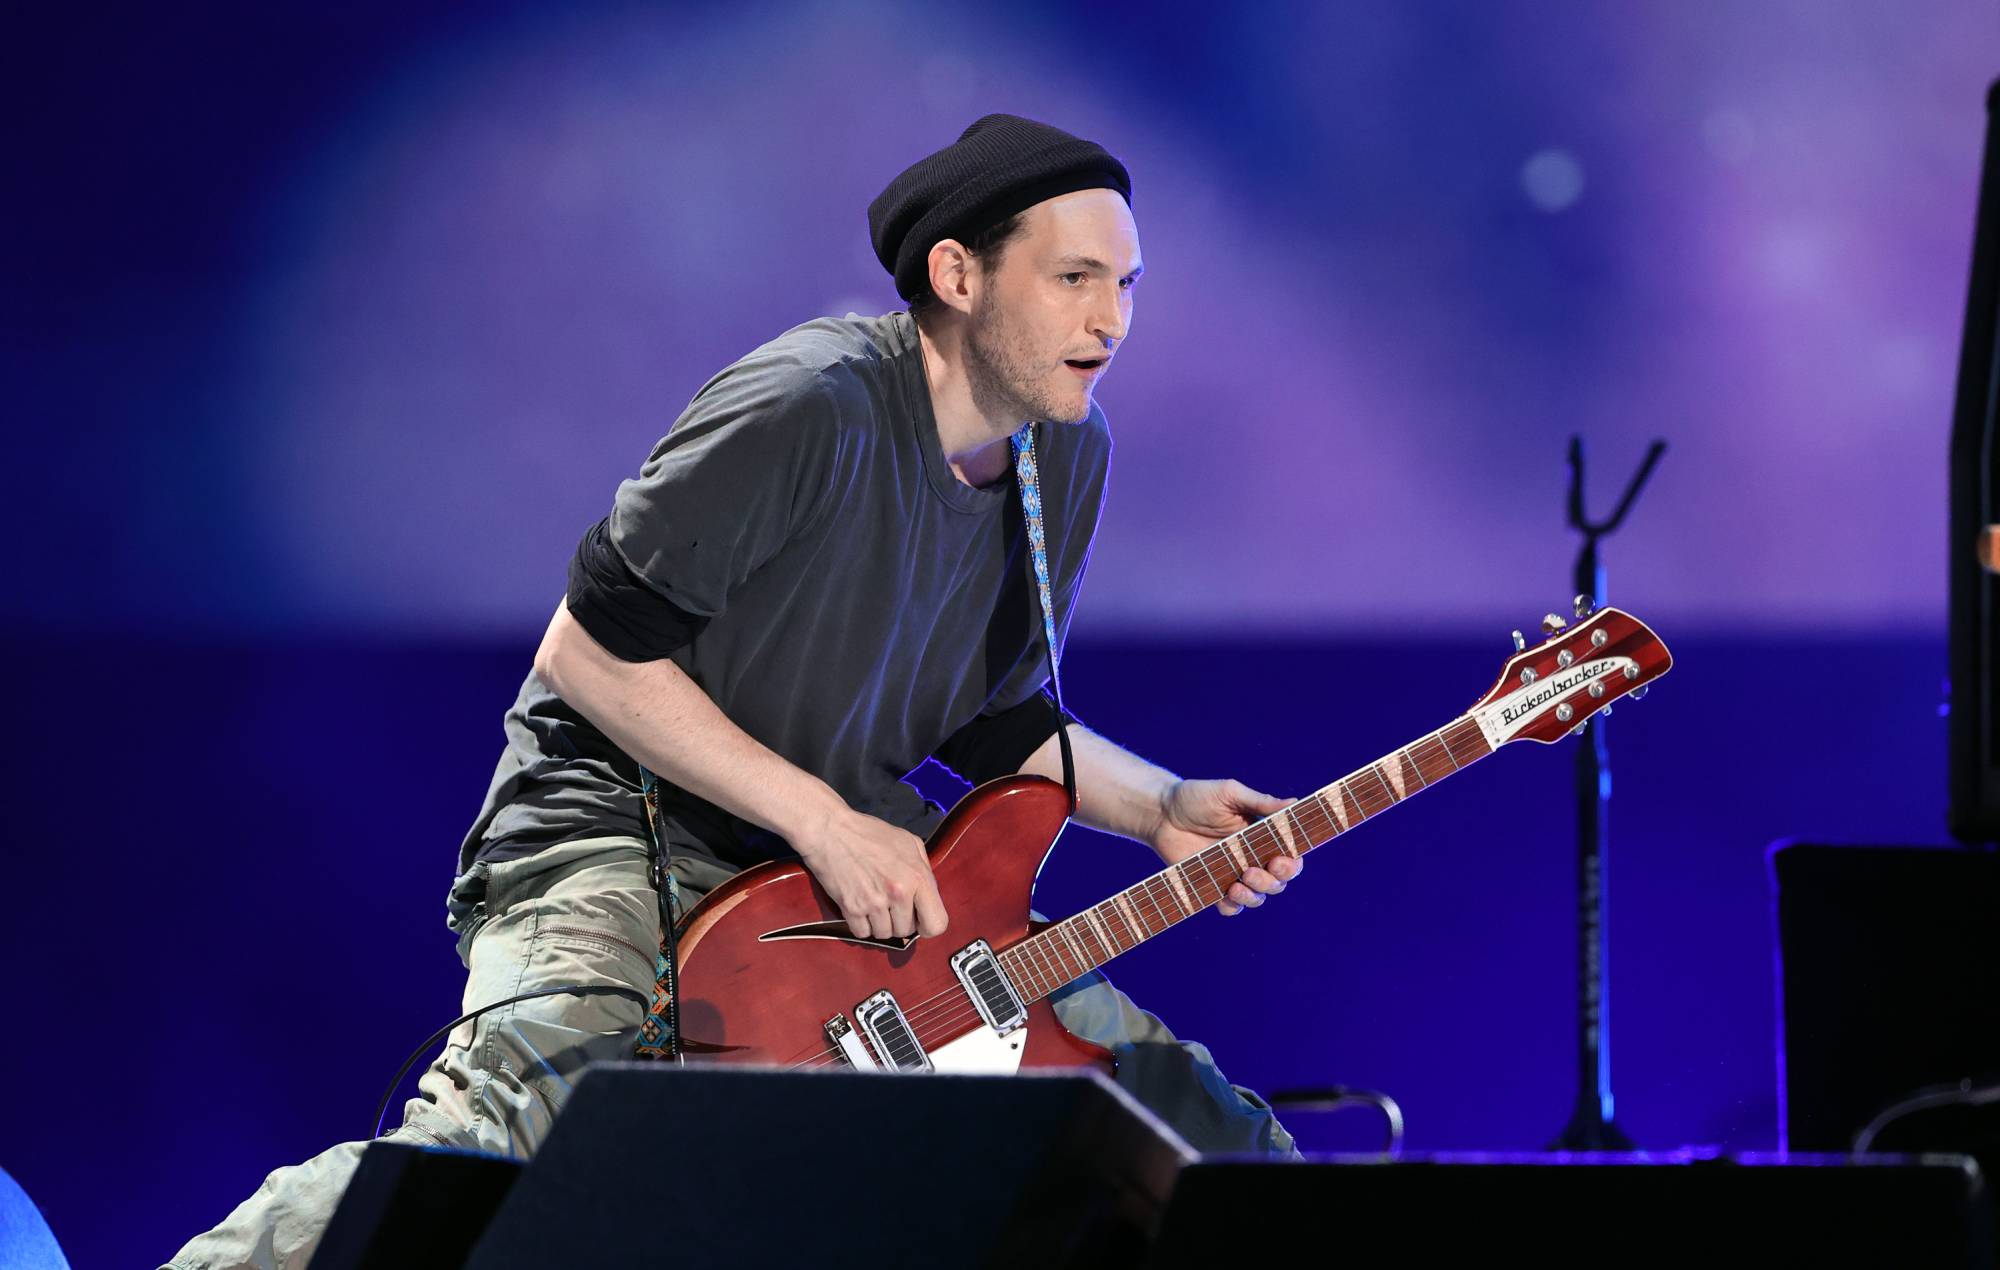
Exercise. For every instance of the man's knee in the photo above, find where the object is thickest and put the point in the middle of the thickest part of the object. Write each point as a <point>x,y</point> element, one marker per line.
<point>1175,1079</point>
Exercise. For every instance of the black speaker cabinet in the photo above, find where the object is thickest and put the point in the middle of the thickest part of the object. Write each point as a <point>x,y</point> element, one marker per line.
<point>1891,983</point>
<point>414,1206</point>
<point>657,1165</point>
<point>1547,1210</point>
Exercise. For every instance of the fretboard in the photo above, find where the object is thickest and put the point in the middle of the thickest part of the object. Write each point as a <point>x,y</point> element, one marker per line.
<point>1046,961</point>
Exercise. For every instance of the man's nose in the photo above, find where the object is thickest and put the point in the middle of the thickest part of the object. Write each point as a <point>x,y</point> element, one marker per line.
<point>1108,321</point>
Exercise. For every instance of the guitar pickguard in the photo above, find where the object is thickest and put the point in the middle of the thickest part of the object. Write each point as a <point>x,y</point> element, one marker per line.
<point>982,1051</point>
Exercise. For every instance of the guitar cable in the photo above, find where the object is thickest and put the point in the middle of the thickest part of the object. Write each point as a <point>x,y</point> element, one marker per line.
<point>657,867</point>
<point>382,1108</point>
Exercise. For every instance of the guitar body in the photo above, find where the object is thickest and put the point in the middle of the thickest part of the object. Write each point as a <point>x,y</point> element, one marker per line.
<point>766,959</point>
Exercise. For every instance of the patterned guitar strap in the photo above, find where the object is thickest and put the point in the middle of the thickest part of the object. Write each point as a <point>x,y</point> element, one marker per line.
<point>1038,556</point>
<point>659,1034</point>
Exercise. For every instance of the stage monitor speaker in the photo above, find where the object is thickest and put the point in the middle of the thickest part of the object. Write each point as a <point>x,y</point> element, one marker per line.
<point>1890,971</point>
<point>1551,1210</point>
<point>414,1206</point>
<point>727,1166</point>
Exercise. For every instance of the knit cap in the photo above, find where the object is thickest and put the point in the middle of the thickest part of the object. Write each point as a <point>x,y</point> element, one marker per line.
<point>1001,165</point>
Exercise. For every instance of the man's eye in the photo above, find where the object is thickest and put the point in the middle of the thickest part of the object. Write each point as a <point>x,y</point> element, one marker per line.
<point>1072,279</point>
<point>1127,283</point>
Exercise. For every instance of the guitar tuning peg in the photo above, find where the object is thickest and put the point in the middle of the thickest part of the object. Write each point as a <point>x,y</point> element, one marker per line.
<point>1606,712</point>
<point>1578,729</point>
<point>1551,624</point>
<point>1639,693</point>
<point>1520,644</point>
<point>1583,605</point>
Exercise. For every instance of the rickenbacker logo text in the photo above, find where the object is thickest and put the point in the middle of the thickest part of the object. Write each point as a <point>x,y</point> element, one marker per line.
<point>1559,686</point>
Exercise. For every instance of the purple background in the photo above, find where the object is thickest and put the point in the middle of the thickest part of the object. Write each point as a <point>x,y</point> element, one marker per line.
<point>329,334</point>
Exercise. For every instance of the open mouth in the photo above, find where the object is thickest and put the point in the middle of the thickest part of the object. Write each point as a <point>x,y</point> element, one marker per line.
<point>1086,365</point>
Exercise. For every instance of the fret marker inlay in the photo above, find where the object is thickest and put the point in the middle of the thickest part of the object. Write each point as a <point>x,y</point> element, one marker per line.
<point>1284,831</point>
<point>1130,914</point>
<point>1237,855</point>
<point>1102,931</point>
<point>1392,768</point>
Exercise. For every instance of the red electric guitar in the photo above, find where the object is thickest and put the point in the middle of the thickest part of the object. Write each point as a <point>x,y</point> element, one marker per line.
<point>771,974</point>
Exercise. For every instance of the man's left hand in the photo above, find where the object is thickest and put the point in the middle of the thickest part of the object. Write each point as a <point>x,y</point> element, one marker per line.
<point>1194,814</point>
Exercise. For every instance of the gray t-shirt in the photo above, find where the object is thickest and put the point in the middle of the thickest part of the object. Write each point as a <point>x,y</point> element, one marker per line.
<point>863,602</point>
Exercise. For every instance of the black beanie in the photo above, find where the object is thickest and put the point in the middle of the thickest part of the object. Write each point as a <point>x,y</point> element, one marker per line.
<point>1001,165</point>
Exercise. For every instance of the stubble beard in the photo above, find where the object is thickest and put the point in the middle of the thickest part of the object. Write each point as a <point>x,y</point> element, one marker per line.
<point>999,368</point>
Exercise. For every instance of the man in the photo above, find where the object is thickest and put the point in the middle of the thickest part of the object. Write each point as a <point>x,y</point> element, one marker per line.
<point>817,581</point>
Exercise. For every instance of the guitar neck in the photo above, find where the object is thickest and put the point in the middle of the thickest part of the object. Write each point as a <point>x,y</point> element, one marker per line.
<point>1046,961</point>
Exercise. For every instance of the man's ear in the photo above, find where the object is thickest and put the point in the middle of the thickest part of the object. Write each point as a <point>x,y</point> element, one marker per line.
<point>954,276</point>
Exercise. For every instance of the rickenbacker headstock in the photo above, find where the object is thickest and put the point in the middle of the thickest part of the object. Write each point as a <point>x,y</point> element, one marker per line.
<point>1549,690</point>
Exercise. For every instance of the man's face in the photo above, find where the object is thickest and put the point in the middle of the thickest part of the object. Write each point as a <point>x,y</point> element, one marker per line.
<point>1048,316</point>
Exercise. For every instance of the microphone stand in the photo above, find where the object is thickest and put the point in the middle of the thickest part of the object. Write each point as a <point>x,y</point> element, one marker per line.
<point>1591,1126</point>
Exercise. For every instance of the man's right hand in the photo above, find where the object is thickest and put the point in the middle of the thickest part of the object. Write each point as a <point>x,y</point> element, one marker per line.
<point>876,873</point>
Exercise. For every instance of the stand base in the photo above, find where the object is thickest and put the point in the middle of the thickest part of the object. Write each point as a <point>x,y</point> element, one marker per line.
<point>1589,1131</point>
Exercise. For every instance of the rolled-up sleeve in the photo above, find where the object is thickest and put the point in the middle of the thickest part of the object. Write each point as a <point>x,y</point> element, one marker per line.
<point>995,745</point>
<point>628,619</point>
<point>744,469</point>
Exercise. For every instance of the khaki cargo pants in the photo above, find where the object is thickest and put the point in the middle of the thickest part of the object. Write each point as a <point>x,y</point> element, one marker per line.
<point>585,913</point>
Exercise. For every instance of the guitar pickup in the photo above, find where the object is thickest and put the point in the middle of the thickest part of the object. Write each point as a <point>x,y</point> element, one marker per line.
<point>882,1020</point>
<point>978,970</point>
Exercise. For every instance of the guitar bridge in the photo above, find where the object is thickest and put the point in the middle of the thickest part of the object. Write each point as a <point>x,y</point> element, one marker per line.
<point>842,1034</point>
<point>882,1020</point>
<point>979,972</point>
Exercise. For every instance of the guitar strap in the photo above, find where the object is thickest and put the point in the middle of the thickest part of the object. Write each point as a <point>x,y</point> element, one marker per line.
<point>659,1034</point>
<point>660,1031</point>
<point>1038,556</point>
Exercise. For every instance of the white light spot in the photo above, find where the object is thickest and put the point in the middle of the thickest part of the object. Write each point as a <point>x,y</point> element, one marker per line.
<point>1728,136</point>
<point>1552,179</point>
<point>841,306</point>
<point>1794,256</point>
